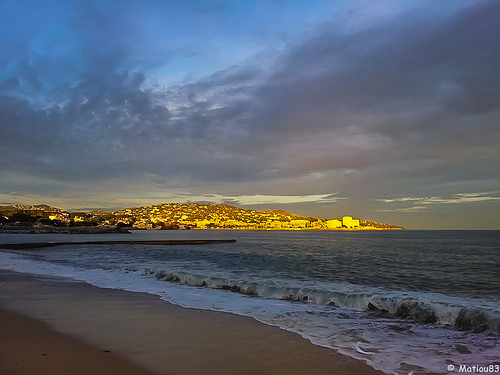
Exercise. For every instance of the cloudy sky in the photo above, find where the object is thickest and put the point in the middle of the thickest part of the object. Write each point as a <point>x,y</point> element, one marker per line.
<point>384,110</point>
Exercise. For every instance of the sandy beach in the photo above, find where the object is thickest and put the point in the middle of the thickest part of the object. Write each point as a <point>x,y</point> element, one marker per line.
<point>57,327</point>
<point>29,346</point>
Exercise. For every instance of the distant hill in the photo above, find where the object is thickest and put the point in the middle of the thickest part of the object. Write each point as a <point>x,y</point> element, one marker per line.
<point>180,216</point>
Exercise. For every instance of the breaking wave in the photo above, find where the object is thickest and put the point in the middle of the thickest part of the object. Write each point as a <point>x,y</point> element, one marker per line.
<point>412,306</point>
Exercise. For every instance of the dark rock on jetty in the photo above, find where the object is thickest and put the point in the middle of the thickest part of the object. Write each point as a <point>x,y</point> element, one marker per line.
<point>37,245</point>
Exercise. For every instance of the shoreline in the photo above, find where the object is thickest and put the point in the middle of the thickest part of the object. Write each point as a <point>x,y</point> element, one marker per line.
<point>127,230</point>
<point>163,338</point>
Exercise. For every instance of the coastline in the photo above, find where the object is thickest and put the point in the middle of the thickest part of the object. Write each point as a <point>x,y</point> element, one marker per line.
<point>128,230</point>
<point>148,333</point>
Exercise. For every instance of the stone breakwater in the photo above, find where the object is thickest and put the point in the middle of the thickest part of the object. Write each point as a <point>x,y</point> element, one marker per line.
<point>37,245</point>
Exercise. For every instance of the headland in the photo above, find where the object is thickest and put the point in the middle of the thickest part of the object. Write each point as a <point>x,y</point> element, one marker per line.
<point>44,218</point>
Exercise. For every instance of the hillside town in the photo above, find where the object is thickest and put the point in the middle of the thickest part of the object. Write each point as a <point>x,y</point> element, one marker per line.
<point>178,216</point>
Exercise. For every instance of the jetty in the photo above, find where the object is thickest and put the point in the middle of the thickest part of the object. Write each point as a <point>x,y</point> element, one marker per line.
<point>38,245</point>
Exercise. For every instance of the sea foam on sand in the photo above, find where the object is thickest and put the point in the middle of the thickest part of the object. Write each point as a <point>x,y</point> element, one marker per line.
<point>165,338</point>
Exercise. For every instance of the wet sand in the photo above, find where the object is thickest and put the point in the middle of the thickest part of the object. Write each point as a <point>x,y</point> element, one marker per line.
<point>29,346</point>
<point>86,326</point>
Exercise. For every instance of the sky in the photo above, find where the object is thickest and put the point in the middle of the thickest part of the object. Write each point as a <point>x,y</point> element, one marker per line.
<point>382,110</point>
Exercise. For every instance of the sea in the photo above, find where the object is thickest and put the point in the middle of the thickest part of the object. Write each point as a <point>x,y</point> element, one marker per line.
<point>406,302</point>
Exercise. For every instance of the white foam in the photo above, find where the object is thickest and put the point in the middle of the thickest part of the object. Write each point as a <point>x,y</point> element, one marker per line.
<point>395,346</point>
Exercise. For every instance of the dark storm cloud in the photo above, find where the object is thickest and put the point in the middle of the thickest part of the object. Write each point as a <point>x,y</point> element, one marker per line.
<point>99,123</point>
<point>116,127</point>
<point>411,99</point>
<point>105,118</point>
<point>405,91</point>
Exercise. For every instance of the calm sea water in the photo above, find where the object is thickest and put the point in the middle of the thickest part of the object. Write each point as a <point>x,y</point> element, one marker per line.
<point>404,301</point>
